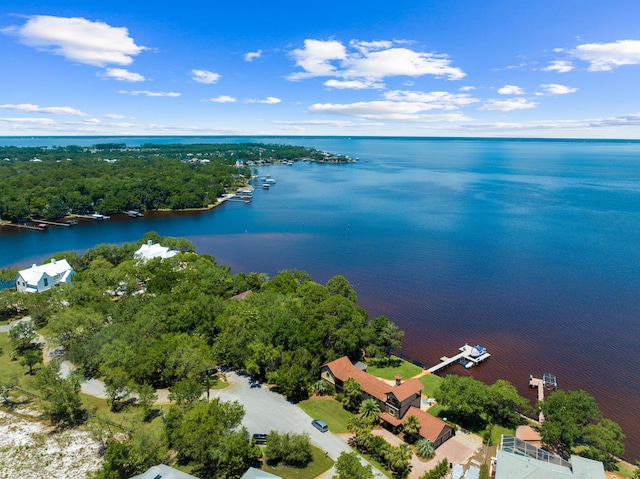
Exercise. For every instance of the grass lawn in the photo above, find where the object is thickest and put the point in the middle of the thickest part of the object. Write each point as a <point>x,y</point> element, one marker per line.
<point>10,368</point>
<point>330,411</point>
<point>319,464</point>
<point>398,366</point>
<point>431,383</point>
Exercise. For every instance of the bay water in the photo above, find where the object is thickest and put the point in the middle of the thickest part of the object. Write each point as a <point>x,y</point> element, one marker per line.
<point>528,247</point>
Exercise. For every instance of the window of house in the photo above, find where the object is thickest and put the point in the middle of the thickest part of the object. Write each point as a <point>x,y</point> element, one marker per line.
<point>46,282</point>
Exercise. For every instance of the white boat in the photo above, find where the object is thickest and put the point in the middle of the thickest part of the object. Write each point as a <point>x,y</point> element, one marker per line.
<point>265,186</point>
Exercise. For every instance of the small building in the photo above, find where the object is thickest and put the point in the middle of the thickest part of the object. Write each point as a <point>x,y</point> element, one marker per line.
<point>45,276</point>
<point>397,402</point>
<point>253,473</point>
<point>152,250</point>
<point>162,471</point>
<point>517,459</point>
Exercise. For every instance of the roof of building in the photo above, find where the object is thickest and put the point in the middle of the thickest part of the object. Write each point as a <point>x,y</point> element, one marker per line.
<point>517,459</point>
<point>154,250</point>
<point>516,466</point>
<point>253,473</point>
<point>32,275</point>
<point>394,421</point>
<point>407,389</point>
<point>430,426</point>
<point>343,370</point>
<point>527,433</point>
<point>162,471</point>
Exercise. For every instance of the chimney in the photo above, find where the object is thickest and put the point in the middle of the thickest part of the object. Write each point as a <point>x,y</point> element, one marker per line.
<point>53,261</point>
<point>149,243</point>
<point>398,380</point>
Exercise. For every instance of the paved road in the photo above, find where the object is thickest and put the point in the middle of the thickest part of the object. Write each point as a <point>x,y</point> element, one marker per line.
<point>267,411</point>
<point>5,328</point>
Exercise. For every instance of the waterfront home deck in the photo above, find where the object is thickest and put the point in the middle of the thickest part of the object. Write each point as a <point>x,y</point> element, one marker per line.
<point>467,356</point>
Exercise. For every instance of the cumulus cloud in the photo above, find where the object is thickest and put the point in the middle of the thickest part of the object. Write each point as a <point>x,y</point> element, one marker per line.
<point>555,89</point>
<point>122,74</point>
<point>368,61</point>
<point>270,100</point>
<point>250,56</point>
<point>54,110</point>
<point>205,76</point>
<point>560,66</point>
<point>149,93</point>
<point>467,88</point>
<point>508,105</point>
<point>114,116</point>
<point>78,39</point>
<point>222,99</point>
<point>607,56</point>
<point>387,110</point>
<point>511,90</point>
<point>353,84</point>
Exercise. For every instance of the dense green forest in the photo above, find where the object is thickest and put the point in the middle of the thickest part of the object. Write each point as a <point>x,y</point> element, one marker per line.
<point>51,183</point>
<point>170,323</point>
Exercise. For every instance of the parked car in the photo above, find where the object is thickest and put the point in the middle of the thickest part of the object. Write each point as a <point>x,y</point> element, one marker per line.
<point>320,425</point>
<point>260,438</point>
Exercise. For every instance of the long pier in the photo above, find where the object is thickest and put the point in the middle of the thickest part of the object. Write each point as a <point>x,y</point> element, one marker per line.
<point>548,381</point>
<point>27,227</point>
<point>51,223</point>
<point>464,356</point>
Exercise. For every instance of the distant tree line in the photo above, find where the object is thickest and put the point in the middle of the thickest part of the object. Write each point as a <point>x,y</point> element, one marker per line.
<point>50,183</point>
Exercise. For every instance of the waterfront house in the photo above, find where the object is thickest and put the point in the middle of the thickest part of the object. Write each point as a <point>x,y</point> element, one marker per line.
<point>42,277</point>
<point>152,250</point>
<point>397,402</point>
<point>162,471</point>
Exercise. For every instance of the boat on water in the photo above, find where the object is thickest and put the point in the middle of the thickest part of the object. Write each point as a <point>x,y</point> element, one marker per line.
<point>265,186</point>
<point>271,181</point>
<point>99,217</point>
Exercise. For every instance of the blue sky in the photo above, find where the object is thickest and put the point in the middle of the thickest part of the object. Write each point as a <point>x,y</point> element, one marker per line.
<point>561,68</point>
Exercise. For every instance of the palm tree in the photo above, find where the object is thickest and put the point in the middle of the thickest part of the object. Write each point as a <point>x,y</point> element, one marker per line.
<point>425,449</point>
<point>411,426</point>
<point>370,410</point>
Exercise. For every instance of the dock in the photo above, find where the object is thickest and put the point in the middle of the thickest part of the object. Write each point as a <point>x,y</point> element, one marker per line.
<point>53,223</point>
<point>469,356</point>
<point>96,217</point>
<point>27,227</point>
<point>548,382</point>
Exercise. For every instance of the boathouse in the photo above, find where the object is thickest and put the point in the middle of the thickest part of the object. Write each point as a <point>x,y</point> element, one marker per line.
<point>45,276</point>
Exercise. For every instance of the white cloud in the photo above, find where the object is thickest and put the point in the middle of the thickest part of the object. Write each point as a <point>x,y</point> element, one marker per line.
<point>432,100</point>
<point>511,90</point>
<point>508,105</point>
<point>149,93</point>
<point>387,110</point>
<point>270,100</point>
<point>55,110</point>
<point>353,84</point>
<point>555,89</point>
<point>368,61</point>
<point>78,39</point>
<point>607,56</point>
<point>114,116</point>
<point>560,66</point>
<point>35,121</point>
<point>316,57</point>
<point>222,99</point>
<point>250,56</point>
<point>205,76</point>
<point>336,123</point>
<point>123,75</point>
<point>467,88</point>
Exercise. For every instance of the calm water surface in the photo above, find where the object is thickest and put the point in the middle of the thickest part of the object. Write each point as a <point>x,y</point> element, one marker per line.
<point>530,248</point>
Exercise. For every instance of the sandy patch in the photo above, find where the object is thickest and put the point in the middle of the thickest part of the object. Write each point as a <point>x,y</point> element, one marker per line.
<point>31,450</point>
